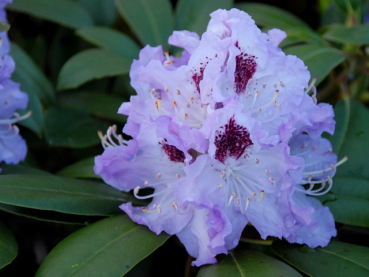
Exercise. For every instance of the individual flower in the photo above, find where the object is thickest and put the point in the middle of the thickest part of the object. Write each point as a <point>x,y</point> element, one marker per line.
<point>218,135</point>
<point>13,148</point>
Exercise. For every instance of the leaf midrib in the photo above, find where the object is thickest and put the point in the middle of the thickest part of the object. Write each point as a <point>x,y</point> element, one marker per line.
<point>344,258</point>
<point>101,249</point>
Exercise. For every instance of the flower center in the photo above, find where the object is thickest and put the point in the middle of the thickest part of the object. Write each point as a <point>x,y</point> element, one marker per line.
<point>231,141</point>
<point>245,69</point>
<point>173,153</point>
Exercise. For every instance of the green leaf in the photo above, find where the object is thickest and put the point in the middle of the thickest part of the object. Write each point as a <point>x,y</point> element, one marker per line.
<point>96,102</point>
<point>110,247</point>
<point>29,75</point>
<point>71,128</point>
<point>351,185</point>
<point>243,262</point>
<point>49,216</point>
<point>35,121</point>
<point>320,60</point>
<point>272,17</point>
<point>39,190</point>
<point>194,15</point>
<point>81,169</point>
<point>151,21</point>
<point>102,11</point>
<point>356,35</point>
<point>8,246</point>
<point>67,13</point>
<point>337,259</point>
<point>299,35</point>
<point>92,64</point>
<point>110,39</point>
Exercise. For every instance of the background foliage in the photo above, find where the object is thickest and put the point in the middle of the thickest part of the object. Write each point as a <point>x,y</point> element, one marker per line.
<point>73,58</point>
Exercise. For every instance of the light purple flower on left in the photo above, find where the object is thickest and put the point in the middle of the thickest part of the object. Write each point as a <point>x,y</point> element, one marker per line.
<point>13,148</point>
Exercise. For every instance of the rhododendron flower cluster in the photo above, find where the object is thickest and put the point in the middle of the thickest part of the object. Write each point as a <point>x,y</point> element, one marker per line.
<point>13,148</point>
<point>227,134</point>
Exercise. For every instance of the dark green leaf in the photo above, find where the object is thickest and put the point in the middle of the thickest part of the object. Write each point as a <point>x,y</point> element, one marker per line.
<point>8,246</point>
<point>35,121</point>
<point>193,15</point>
<point>110,39</point>
<point>39,190</point>
<point>351,185</point>
<point>337,259</point>
<point>345,5</point>
<point>102,11</point>
<point>243,262</point>
<point>68,13</point>
<point>299,35</point>
<point>110,247</point>
<point>92,64</point>
<point>4,27</point>
<point>356,35</point>
<point>97,103</point>
<point>49,216</point>
<point>320,60</point>
<point>29,75</point>
<point>81,169</point>
<point>151,21</point>
<point>272,17</point>
<point>71,128</point>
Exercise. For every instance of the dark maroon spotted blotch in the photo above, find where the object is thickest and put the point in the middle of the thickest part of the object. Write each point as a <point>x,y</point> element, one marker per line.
<point>245,69</point>
<point>231,141</point>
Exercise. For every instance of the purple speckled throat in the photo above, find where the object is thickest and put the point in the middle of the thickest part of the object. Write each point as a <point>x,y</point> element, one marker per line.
<point>231,141</point>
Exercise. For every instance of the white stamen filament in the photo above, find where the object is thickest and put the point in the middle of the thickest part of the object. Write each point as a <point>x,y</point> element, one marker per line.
<point>323,171</point>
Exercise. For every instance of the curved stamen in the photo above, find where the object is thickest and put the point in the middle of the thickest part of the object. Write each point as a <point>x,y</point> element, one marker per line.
<point>269,103</point>
<point>16,118</point>
<point>331,168</point>
<point>137,189</point>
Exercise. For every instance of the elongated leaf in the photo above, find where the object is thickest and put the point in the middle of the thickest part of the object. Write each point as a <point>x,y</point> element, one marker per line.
<point>151,21</point>
<point>96,102</point>
<point>35,121</point>
<point>110,247</point>
<point>357,35</point>
<point>49,216</point>
<point>102,11</point>
<point>71,128</point>
<point>299,35</point>
<point>64,12</point>
<point>92,64</point>
<point>243,262</point>
<point>351,185</point>
<point>29,75</point>
<point>8,246</point>
<point>81,169</point>
<point>271,17</point>
<point>319,60</point>
<point>337,259</point>
<point>54,193</point>
<point>111,39</point>
<point>194,16</point>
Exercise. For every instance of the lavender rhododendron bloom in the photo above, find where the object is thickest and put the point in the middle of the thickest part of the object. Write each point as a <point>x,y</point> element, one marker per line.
<point>227,134</point>
<point>13,148</point>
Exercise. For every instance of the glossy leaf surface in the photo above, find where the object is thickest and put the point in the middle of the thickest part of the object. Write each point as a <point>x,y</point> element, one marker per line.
<point>39,190</point>
<point>68,13</point>
<point>337,259</point>
<point>247,263</point>
<point>92,64</point>
<point>8,246</point>
<point>110,247</point>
